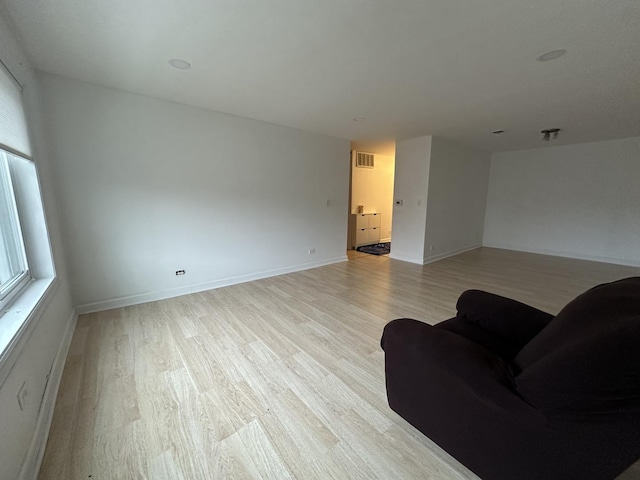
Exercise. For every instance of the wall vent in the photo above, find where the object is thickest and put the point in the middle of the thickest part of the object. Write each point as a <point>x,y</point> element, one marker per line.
<point>364,160</point>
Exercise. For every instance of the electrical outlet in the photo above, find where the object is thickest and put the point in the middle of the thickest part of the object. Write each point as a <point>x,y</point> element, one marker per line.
<point>23,396</point>
<point>312,251</point>
<point>180,272</point>
<point>431,247</point>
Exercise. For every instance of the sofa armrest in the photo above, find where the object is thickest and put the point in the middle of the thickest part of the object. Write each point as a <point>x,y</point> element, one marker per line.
<point>420,360</point>
<point>461,396</point>
<point>515,322</point>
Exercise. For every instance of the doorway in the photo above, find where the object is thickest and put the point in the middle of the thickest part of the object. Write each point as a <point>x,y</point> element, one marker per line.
<point>370,197</point>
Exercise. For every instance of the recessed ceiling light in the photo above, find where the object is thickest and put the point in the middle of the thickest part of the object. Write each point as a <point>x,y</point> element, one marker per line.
<point>358,119</point>
<point>179,64</point>
<point>498,132</point>
<point>552,55</point>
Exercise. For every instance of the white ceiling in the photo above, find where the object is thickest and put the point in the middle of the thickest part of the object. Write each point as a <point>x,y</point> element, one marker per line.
<point>455,68</point>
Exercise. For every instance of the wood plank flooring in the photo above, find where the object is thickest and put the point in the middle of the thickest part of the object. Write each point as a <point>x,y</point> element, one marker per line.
<point>281,378</point>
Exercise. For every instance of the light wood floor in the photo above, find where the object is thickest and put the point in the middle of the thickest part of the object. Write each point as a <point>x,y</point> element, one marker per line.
<point>279,378</point>
<point>354,254</point>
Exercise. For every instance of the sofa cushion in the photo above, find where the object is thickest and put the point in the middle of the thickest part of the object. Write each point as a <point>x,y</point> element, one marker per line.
<point>513,322</point>
<point>472,331</point>
<point>587,359</point>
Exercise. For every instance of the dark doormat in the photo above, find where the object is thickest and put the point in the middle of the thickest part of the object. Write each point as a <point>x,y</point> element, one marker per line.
<point>376,249</point>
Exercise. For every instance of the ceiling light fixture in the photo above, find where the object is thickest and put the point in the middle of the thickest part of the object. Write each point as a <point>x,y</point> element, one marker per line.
<point>552,55</point>
<point>358,119</point>
<point>546,134</point>
<point>179,64</point>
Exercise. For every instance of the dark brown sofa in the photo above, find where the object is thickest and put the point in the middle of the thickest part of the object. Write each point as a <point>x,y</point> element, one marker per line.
<point>515,393</point>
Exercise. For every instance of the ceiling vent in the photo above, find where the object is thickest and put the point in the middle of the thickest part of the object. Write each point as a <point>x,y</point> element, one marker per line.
<point>364,160</point>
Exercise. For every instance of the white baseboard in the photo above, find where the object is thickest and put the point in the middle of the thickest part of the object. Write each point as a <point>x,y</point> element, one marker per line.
<point>450,253</point>
<point>434,258</point>
<point>560,253</point>
<point>199,287</point>
<point>33,460</point>
<point>403,258</point>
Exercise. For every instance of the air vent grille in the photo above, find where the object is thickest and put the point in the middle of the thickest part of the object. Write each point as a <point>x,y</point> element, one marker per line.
<point>364,160</point>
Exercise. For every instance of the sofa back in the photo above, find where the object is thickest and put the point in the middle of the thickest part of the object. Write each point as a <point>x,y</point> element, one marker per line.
<point>588,358</point>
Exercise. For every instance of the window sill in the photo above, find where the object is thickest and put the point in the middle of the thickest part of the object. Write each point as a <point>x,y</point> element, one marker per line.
<point>19,320</point>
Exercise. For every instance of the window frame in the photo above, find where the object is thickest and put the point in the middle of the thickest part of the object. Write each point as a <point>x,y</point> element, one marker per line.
<point>16,285</point>
<point>28,295</point>
<point>31,294</point>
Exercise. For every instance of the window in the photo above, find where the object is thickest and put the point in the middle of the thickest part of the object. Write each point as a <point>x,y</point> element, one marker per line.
<point>14,272</point>
<point>14,138</point>
<point>27,272</point>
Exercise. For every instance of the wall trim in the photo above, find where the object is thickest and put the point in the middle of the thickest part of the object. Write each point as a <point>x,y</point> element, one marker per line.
<point>33,460</point>
<point>403,258</point>
<point>450,253</point>
<point>560,253</point>
<point>199,287</point>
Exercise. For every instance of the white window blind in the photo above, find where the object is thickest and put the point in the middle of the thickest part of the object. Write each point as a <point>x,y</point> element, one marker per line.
<point>14,134</point>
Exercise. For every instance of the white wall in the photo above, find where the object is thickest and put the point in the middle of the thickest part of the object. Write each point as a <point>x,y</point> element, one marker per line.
<point>458,182</point>
<point>411,185</point>
<point>579,201</point>
<point>373,188</point>
<point>148,187</point>
<point>32,359</point>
